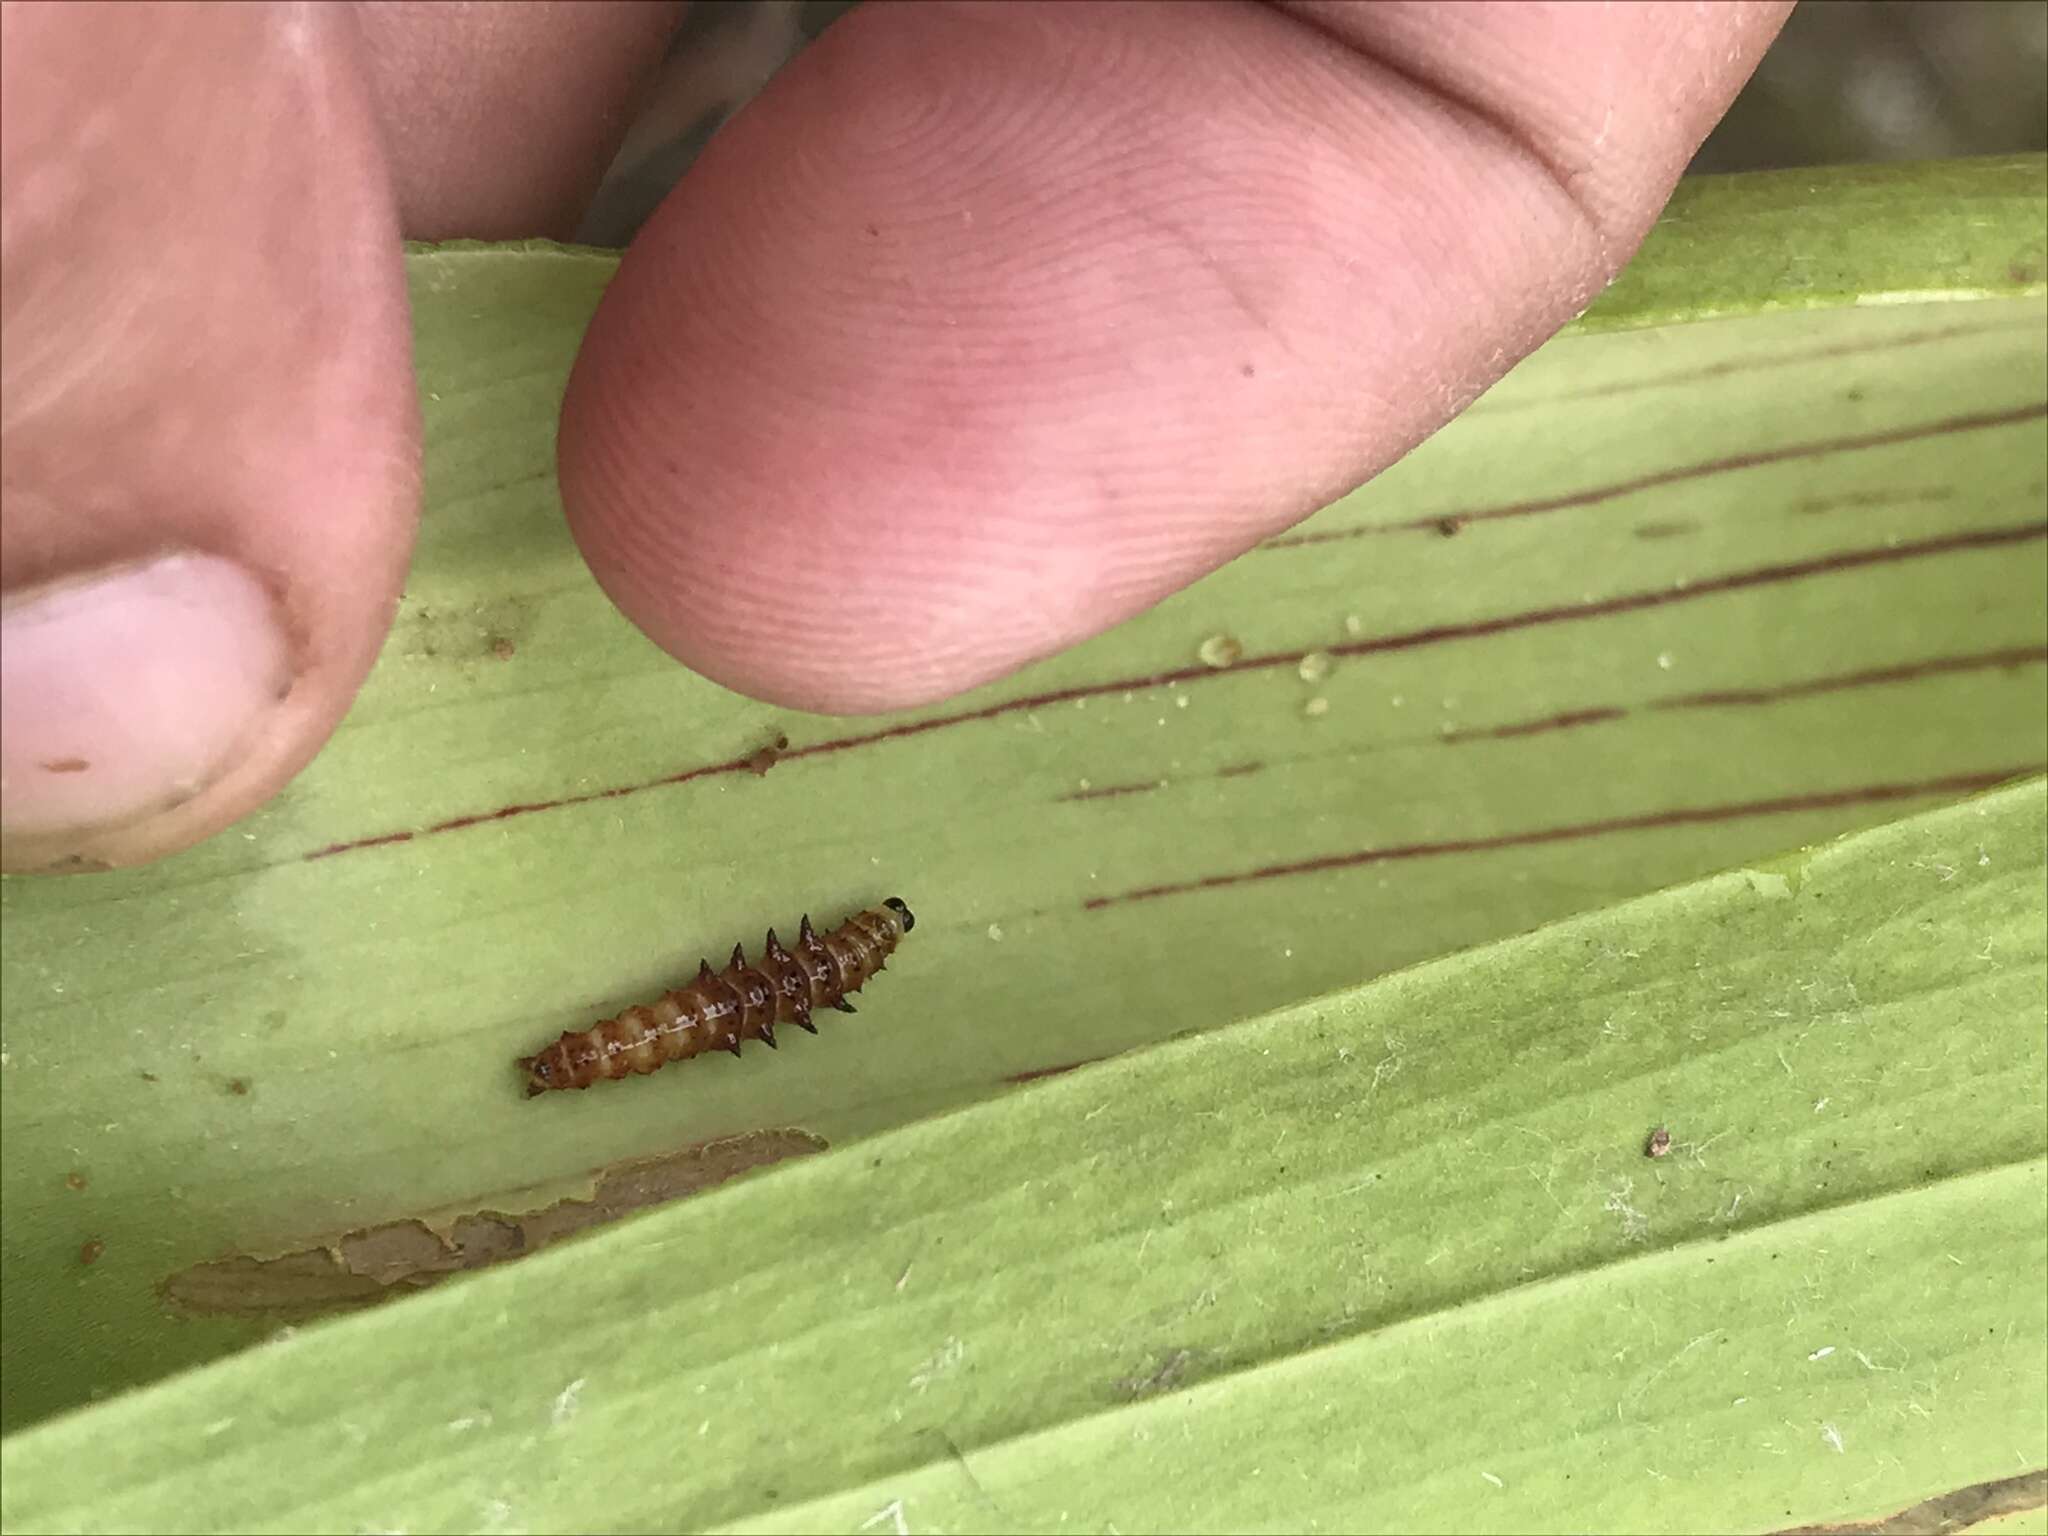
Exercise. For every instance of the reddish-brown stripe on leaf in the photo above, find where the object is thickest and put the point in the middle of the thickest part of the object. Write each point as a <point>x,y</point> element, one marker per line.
<point>1110,791</point>
<point>1955,784</point>
<point>2011,656</point>
<point>1886,497</point>
<point>1561,722</point>
<point>1038,1074</point>
<point>1976,422</point>
<point>1770,575</point>
<point>1688,377</point>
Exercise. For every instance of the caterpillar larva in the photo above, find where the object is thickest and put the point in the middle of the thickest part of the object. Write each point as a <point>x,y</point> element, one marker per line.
<point>745,1001</point>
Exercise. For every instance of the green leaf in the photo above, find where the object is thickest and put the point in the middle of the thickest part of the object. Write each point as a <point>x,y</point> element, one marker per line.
<point>1391,1260</point>
<point>1807,239</point>
<point>1750,556</point>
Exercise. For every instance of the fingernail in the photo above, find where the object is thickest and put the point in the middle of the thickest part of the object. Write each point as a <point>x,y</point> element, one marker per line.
<point>129,690</point>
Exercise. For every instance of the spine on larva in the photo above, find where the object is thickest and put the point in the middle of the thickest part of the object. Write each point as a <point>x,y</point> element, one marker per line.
<point>718,1010</point>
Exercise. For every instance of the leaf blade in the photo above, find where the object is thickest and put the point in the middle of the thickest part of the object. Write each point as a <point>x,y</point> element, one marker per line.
<point>832,1314</point>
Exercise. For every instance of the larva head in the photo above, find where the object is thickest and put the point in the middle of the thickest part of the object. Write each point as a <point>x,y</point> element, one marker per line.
<point>903,914</point>
<point>540,1073</point>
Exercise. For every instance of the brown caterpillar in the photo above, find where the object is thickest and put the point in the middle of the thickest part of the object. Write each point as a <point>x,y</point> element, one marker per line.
<point>717,1011</point>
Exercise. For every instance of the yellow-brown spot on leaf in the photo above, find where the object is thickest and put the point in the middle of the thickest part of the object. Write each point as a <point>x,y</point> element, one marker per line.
<point>764,758</point>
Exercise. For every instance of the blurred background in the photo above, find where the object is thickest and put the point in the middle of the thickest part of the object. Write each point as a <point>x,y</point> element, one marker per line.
<point>1848,80</point>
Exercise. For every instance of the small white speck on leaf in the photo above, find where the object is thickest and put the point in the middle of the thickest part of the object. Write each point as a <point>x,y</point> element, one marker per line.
<point>939,1365</point>
<point>564,1407</point>
<point>1635,1226</point>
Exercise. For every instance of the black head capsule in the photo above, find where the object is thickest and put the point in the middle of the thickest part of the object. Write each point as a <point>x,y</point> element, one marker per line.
<point>895,904</point>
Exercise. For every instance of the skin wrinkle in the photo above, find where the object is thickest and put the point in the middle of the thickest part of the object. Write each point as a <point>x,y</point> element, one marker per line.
<point>1235,288</point>
<point>1443,90</point>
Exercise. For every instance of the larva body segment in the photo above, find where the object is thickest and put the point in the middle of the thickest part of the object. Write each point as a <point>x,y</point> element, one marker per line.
<point>718,1010</point>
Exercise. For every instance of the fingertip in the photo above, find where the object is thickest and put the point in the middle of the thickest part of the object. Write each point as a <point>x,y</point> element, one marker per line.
<point>822,446</point>
<point>986,328</point>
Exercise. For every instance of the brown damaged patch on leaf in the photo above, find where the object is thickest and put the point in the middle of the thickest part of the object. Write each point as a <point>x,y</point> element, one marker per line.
<point>494,629</point>
<point>1956,1510</point>
<point>362,1268</point>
